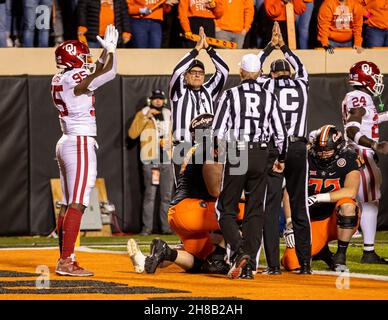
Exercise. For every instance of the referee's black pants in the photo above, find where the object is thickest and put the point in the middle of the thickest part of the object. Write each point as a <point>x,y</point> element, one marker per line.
<point>272,212</point>
<point>296,174</point>
<point>253,181</point>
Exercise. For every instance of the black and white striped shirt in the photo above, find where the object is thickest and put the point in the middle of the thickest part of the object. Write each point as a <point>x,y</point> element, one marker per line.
<point>186,103</point>
<point>291,93</point>
<point>250,113</point>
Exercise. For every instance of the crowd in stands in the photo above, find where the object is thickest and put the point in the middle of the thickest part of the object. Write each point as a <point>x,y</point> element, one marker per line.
<point>169,23</point>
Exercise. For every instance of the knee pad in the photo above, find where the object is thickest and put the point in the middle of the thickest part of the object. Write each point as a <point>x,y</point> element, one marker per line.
<point>347,222</point>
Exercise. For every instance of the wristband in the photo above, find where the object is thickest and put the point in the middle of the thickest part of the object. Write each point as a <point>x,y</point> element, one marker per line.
<point>353,124</point>
<point>374,146</point>
<point>323,197</point>
<point>357,137</point>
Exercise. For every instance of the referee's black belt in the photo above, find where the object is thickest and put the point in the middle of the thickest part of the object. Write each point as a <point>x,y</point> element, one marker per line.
<point>242,145</point>
<point>297,139</point>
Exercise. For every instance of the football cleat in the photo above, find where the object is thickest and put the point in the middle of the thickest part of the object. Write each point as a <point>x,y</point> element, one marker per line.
<point>339,263</point>
<point>70,267</point>
<point>137,257</point>
<point>247,272</point>
<point>236,269</point>
<point>371,257</point>
<point>158,251</point>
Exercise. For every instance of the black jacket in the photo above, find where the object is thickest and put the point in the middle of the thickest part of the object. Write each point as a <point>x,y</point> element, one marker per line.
<point>89,17</point>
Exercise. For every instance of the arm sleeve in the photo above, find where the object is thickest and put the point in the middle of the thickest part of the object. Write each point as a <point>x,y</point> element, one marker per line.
<point>273,8</point>
<point>357,24</point>
<point>324,19</point>
<point>177,79</point>
<point>105,77</point>
<point>183,9</point>
<point>279,129</point>
<point>221,118</point>
<point>219,9</point>
<point>265,53</point>
<point>137,125</point>
<point>249,12</point>
<point>216,83</point>
<point>293,59</point>
<point>299,7</point>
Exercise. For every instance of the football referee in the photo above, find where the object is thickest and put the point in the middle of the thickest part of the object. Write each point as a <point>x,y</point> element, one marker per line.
<point>190,96</point>
<point>292,96</point>
<point>245,116</point>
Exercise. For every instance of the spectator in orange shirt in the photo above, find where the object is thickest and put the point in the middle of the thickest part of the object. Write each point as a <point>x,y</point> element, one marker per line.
<point>340,24</point>
<point>95,15</point>
<point>236,21</point>
<point>146,21</point>
<point>276,10</point>
<point>376,31</point>
<point>196,13</point>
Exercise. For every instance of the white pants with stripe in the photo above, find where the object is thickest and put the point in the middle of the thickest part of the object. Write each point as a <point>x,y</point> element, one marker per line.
<point>77,163</point>
<point>371,179</point>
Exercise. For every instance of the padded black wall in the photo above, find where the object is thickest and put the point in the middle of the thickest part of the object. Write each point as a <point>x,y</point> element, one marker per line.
<point>29,130</point>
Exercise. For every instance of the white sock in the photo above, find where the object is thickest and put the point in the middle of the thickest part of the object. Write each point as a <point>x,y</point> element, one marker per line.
<point>369,223</point>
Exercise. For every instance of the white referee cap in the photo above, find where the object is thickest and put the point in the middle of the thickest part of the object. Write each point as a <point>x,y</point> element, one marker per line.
<point>250,62</point>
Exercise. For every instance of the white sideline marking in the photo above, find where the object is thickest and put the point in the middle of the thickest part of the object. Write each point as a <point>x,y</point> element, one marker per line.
<point>353,275</point>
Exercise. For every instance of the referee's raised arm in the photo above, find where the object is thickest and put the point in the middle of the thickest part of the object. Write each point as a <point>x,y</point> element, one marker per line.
<point>218,80</point>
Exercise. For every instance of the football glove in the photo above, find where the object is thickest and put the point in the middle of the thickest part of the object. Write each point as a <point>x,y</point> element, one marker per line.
<point>288,235</point>
<point>110,39</point>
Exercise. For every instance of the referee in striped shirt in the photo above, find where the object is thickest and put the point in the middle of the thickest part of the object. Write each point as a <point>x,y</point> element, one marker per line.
<point>245,117</point>
<point>191,96</point>
<point>292,96</point>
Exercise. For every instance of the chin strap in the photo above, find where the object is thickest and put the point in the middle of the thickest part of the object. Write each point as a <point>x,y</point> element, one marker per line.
<point>381,104</point>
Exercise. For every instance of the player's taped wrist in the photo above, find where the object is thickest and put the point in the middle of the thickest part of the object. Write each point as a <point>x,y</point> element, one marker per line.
<point>374,145</point>
<point>323,197</point>
<point>353,124</point>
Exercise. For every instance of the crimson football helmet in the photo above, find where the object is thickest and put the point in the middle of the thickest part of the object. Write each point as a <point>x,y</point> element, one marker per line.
<point>73,54</point>
<point>366,74</point>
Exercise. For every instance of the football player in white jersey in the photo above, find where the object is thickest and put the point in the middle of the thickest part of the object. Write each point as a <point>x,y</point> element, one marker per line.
<point>361,121</point>
<point>72,91</point>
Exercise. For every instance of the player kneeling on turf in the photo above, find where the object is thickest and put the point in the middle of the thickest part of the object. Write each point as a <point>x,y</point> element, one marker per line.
<point>333,183</point>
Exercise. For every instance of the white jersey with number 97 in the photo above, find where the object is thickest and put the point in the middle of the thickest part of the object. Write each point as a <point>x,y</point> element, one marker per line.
<point>369,125</point>
<point>76,113</point>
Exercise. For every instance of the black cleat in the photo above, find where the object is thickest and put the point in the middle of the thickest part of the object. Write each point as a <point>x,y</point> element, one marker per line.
<point>305,268</point>
<point>339,263</point>
<point>215,264</point>
<point>325,255</point>
<point>236,269</point>
<point>371,257</point>
<point>272,270</point>
<point>158,250</point>
<point>247,272</point>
